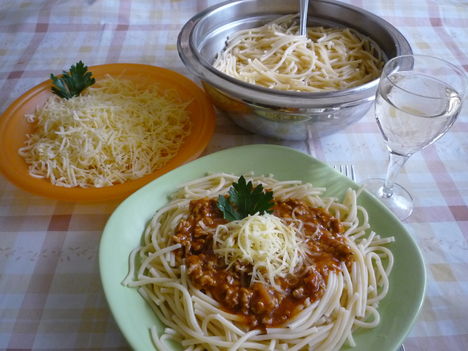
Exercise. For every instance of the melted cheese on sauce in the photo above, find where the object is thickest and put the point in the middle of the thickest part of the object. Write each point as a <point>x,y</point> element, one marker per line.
<point>271,246</point>
<point>113,132</point>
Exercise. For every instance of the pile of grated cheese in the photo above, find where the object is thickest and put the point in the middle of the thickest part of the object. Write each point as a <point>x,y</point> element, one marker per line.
<point>272,247</point>
<point>115,131</point>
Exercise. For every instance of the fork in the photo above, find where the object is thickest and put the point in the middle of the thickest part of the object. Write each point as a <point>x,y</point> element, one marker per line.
<point>348,171</point>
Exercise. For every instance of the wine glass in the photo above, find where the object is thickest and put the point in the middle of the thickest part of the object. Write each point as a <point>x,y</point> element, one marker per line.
<point>417,101</point>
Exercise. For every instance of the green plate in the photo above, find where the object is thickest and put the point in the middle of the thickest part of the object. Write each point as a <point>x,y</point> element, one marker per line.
<point>125,228</point>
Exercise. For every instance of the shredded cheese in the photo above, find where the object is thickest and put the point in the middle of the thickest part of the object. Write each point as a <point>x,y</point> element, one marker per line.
<point>113,132</point>
<point>272,247</point>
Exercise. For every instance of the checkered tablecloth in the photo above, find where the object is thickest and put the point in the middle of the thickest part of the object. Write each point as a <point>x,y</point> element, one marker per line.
<point>50,293</point>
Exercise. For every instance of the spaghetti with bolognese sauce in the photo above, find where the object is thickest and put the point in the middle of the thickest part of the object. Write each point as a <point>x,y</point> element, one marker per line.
<point>302,277</point>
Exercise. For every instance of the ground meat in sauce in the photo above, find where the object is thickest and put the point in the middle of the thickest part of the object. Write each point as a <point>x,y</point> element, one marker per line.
<point>262,306</point>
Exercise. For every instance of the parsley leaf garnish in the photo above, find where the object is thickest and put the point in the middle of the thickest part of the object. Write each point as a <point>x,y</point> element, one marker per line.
<point>245,200</point>
<point>72,83</point>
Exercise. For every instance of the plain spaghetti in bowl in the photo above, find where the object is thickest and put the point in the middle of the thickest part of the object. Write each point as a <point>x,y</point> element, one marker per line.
<point>285,104</point>
<point>275,56</point>
<point>304,276</point>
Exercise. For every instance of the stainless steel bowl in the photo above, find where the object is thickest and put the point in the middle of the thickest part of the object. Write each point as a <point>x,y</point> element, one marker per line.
<point>282,114</point>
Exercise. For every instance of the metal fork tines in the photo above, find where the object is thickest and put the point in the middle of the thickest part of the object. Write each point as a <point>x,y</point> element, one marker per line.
<point>347,170</point>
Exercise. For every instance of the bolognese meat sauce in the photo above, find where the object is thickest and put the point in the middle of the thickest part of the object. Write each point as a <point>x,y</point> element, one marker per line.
<point>262,306</point>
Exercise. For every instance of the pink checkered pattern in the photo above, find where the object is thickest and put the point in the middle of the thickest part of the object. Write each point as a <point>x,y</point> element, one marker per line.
<point>50,294</point>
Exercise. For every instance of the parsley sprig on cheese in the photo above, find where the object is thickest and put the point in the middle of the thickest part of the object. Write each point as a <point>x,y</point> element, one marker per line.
<point>244,200</point>
<point>72,83</point>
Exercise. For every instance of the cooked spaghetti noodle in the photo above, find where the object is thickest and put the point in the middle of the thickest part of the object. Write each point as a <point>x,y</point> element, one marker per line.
<point>275,56</point>
<point>347,299</point>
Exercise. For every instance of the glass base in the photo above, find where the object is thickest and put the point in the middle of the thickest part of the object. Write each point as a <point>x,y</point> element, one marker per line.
<point>400,202</point>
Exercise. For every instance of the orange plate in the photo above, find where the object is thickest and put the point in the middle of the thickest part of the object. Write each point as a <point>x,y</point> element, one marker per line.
<point>13,130</point>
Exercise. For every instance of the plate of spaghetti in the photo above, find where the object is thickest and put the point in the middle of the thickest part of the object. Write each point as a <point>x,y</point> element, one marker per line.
<point>237,251</point>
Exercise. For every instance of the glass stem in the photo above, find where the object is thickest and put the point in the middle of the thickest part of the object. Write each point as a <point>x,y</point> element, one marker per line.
<point>396,162</point>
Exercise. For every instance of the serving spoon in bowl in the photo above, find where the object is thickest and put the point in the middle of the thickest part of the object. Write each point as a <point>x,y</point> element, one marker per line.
<point>304,7</point>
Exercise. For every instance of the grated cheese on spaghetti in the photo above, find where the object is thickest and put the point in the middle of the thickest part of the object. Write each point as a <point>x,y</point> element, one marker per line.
<point>115,131</point>
<point>272,247</point>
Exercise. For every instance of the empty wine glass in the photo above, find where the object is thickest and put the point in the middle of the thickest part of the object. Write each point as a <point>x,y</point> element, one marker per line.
<point>418,99</point>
